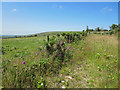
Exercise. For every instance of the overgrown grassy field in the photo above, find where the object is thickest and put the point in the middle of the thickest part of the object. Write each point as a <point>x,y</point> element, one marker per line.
<point>91,62</point>
<point>94,64</point>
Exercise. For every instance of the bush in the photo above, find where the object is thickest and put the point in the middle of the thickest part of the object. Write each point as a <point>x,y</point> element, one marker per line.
<point>111,32</point>
<point>58,35</point>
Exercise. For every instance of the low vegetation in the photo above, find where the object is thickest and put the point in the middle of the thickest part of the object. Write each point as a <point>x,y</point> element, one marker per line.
<point>64,60</point>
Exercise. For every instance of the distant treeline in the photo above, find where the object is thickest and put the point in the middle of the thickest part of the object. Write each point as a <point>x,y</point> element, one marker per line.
<point>113,29</point>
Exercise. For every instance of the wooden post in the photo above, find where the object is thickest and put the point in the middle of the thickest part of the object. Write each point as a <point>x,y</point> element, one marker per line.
<point>48,38</point>
<point>89,33</point>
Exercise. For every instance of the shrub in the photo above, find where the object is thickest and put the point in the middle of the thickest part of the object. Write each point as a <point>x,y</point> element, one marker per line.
<point>111,32</point>
<point>58,35</point>
<point>63,34</point>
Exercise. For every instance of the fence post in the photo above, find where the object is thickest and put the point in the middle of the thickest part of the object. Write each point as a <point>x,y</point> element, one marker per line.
<point>48,38</point>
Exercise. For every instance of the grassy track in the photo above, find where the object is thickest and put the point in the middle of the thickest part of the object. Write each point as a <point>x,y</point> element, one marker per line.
<point>94,64</point>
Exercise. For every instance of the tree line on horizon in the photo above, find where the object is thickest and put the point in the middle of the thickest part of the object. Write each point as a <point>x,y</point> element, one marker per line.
<point>113,29</point>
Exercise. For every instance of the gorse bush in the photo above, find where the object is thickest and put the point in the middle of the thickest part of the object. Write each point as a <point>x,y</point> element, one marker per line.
<point>73,37</point>
<point>111,32</point>
<point>57,44</point>
<point>56,47</point>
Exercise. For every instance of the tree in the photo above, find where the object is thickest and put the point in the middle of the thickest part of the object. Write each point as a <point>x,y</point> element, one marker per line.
<point>35,35</point>
<point>87,29</point>
<point>113,26</point>
<point>105,30</point>
<point>98,29</point>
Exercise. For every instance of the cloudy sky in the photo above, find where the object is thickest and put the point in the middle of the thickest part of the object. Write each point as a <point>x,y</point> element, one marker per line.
<point>35,17</point>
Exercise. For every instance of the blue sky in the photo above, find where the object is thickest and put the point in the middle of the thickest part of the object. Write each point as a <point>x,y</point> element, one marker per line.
<point>35,17</point>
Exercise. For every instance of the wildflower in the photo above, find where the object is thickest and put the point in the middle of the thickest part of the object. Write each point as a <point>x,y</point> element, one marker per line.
<point>59,55</point>
<point>68,77</point>
<point>66,80</point>
<point>68,49</point>
<point>45,50</point>
<point>63,86</point>
<point>37,53</point>
<point>24,63</point>
<point>41,84</point>
<point>111,55</point>
<point>31,69</point>
<point>98,54</point>
<point>9,60</point>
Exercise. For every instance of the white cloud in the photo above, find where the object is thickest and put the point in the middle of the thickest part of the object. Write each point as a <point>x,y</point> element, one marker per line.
<point>14,10</point>
<point>106,9</point>
<point>60,6</point>
<point>110,10</point>
<point>57,6</point>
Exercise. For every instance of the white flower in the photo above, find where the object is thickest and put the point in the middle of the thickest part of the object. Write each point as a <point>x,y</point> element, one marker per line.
<point>66,80</point>
<point>69,77</point>
<point>41,83</point>
<point>62,81</point>
<point>63,86</point>
<point>111,55</point>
